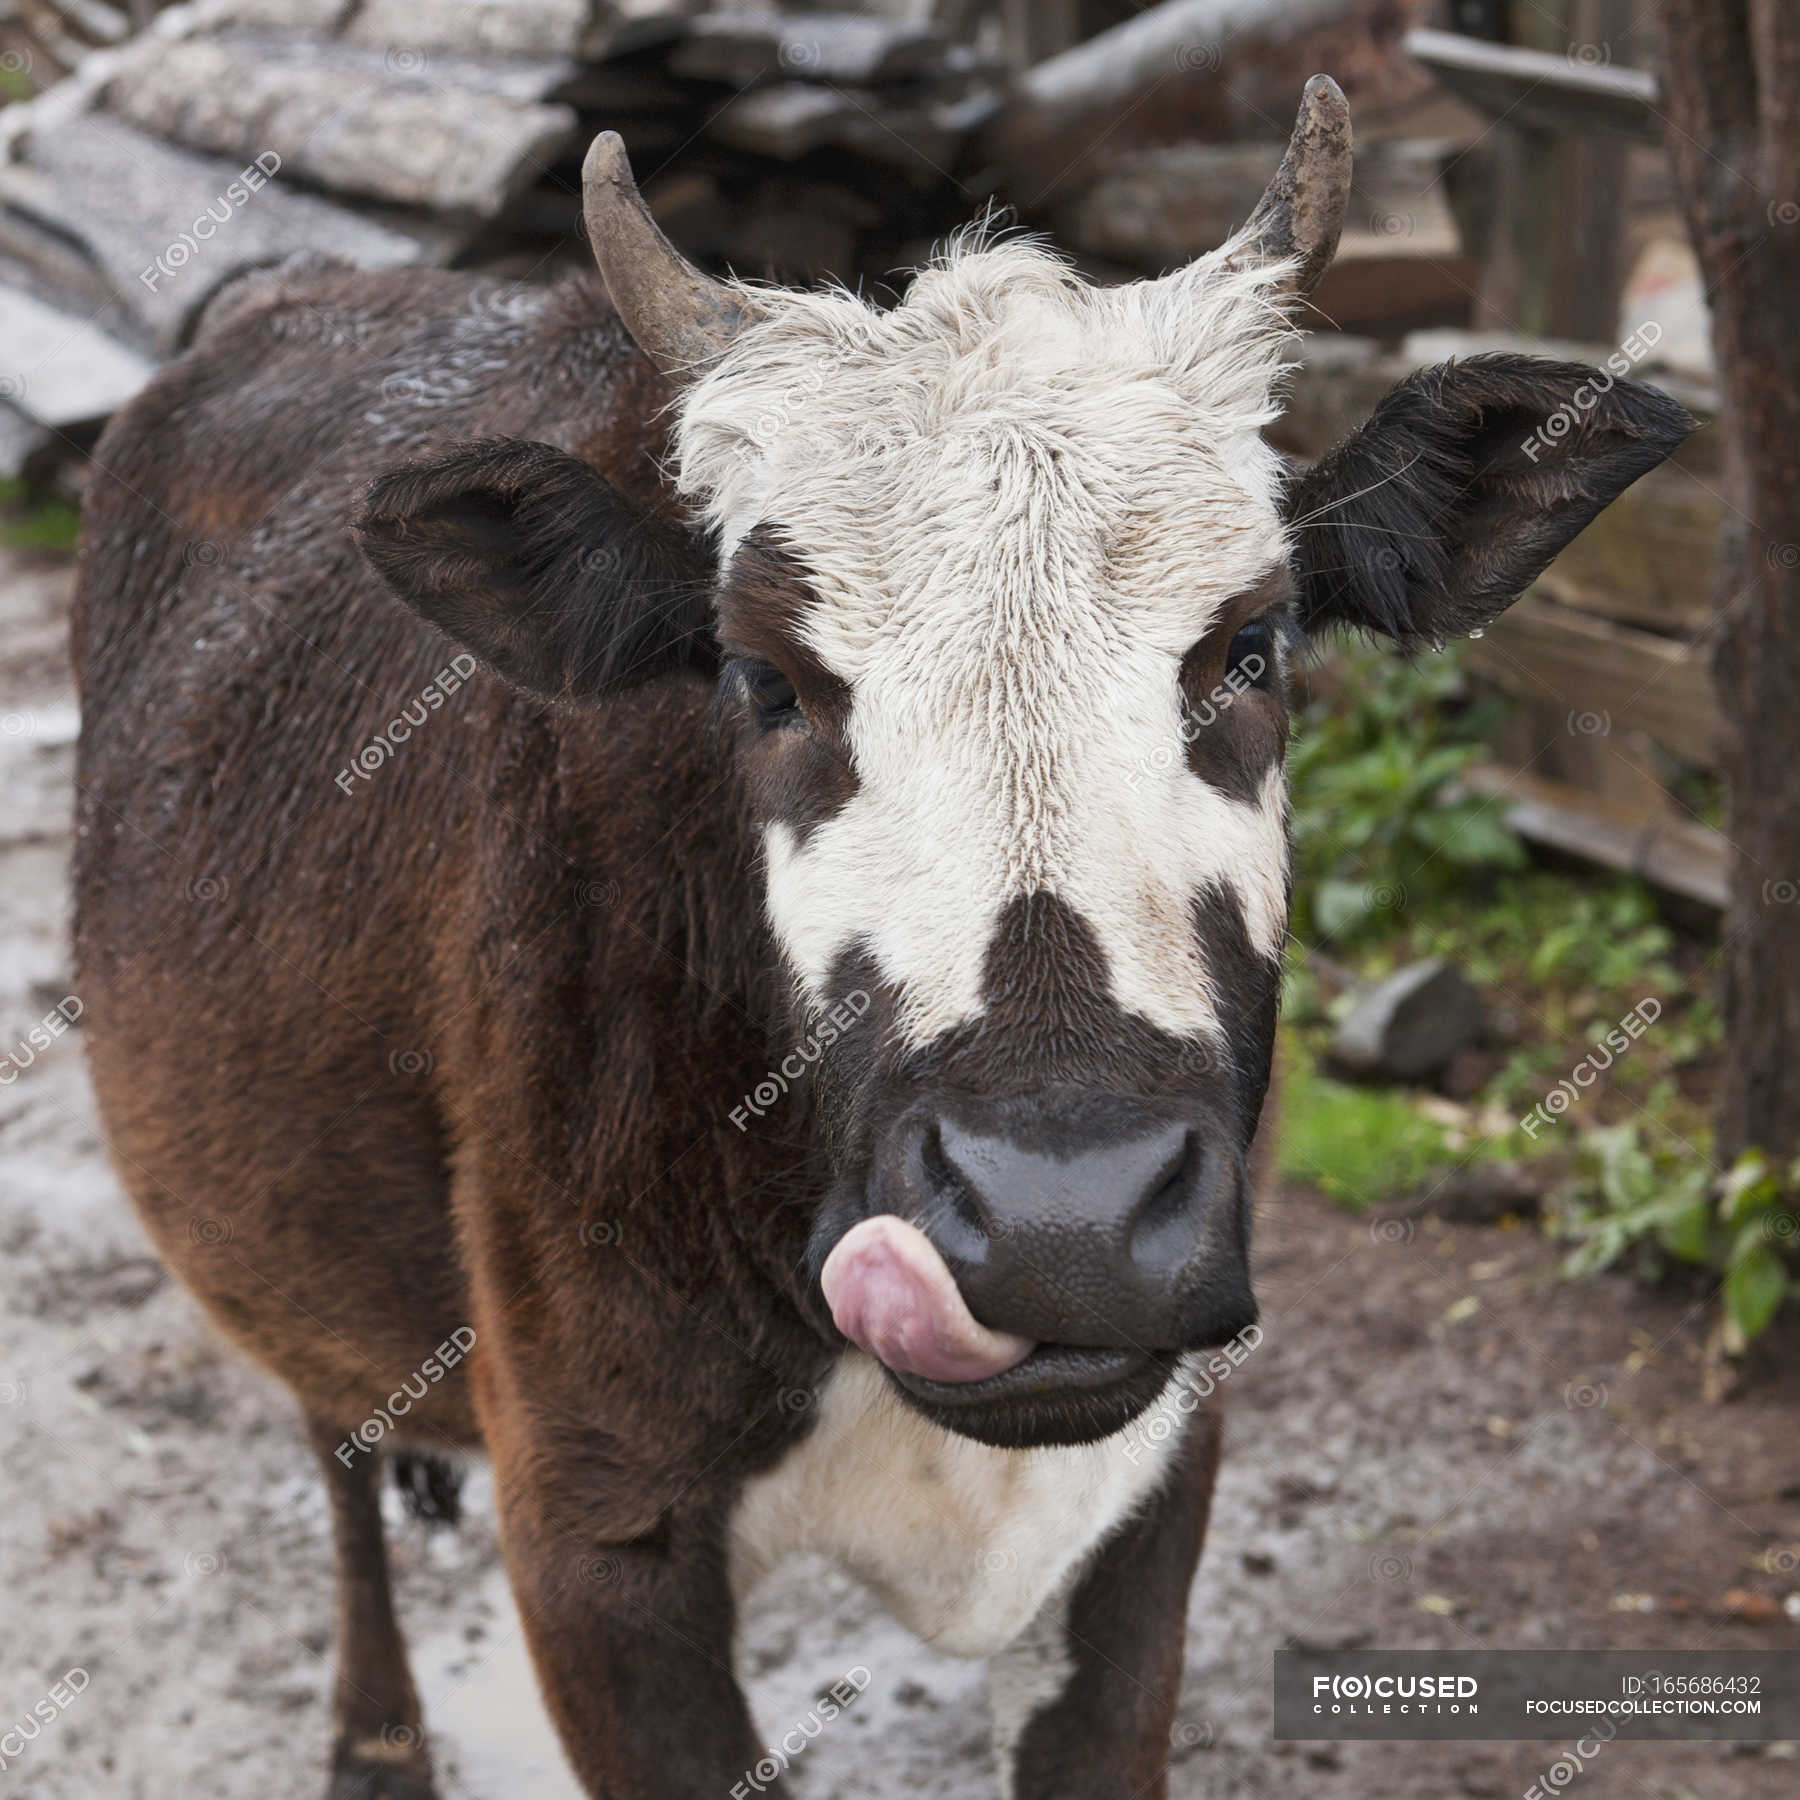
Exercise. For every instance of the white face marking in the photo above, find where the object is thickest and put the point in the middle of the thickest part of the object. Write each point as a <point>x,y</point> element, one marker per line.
<point>1021,501</point>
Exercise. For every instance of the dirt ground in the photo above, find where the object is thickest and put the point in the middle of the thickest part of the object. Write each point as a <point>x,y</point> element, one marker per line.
<point>1439,1444</point>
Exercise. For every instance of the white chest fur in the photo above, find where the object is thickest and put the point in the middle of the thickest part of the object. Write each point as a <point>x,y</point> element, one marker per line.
<point>963,1543</point>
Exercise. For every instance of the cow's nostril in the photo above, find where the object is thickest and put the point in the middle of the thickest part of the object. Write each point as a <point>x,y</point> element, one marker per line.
<point>1163,1227</point>
<point>957,1217</point>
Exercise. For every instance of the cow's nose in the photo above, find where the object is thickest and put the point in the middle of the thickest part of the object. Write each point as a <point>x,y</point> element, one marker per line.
<point>1136,1241</point>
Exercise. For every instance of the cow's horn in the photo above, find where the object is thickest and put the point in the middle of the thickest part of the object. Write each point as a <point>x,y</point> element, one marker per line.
<point>682,320</point>
<point>1302,211</point>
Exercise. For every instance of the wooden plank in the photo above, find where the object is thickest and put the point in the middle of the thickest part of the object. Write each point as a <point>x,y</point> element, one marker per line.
<point>1677,854</point>
<point>526,28</point>
<point>472,27</point>
<point>786,120</point>
<point>1385,283</point>
<point>1159,207</point>
<point>58,370</point>
<point>1648,558</point>
<point>1216,70</point>
<point>1539,90</point>
<point>573,28</point>
<point>132,201</point>
<point>317,18</point>
<point>1623,678</point>
<point>350,123</point>
<point>791,119</point>
<point>840,48</point>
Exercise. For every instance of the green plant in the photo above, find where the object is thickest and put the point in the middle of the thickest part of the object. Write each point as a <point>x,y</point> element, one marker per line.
<point>1756,1213</point>
<point>1359,1144</point>
<point>35,524</point>
<point>1376,816</point>
<point>1667,1206</point>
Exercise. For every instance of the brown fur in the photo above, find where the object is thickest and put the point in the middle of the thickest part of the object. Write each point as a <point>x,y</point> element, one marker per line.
<point>457,1047</point>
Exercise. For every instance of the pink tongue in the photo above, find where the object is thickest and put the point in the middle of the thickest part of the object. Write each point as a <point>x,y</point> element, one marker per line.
<point>890,1293</point>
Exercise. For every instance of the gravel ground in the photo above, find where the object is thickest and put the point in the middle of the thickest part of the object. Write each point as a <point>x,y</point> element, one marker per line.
<point>1438,1445</point>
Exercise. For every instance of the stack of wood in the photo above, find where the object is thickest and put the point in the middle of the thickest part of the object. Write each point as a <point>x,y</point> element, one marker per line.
<point>779,142</point>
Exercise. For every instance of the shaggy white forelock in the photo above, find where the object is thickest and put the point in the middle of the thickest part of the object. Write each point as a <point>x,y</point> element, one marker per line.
<point>1021,499</point>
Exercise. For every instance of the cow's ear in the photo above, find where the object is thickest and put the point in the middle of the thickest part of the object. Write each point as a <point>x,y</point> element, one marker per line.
<point>538,565</point>
<point>1467,479</point>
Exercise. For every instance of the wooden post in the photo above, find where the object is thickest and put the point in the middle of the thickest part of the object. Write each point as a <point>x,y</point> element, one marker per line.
<point>1554,263</point>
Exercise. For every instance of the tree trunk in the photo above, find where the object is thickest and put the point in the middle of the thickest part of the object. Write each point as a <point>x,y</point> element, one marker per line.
<point>1731,78</point>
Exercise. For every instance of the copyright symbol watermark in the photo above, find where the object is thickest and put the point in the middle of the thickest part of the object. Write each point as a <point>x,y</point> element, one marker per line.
<point>1200,59</point>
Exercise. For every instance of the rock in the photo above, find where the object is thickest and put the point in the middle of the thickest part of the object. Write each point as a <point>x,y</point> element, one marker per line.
<point>1467,1073</point>
<point>58,371</point>
<point>1410,1025</point>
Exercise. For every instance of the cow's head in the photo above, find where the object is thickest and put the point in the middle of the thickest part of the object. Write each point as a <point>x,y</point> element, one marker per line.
<point>1006,583</point>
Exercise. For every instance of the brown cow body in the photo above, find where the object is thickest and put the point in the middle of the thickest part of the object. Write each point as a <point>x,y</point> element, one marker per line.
<point>339,1038</point>
<point>348,1135</point>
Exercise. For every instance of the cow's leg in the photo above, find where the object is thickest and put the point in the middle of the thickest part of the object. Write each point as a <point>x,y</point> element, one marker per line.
<point>1084,1701</point>
<point>632,1644</point>
<point>379,1752</point>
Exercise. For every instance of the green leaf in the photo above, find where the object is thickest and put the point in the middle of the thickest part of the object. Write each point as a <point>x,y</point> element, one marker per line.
<point>1472,837</point>
<point>1686,1229</point>
<point>1754,1289</point>
<point>1339,906</point>
<point>1749,1187</point>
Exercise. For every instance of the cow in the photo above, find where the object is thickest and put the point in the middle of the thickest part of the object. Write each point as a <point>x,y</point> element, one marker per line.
<point>683,885</point>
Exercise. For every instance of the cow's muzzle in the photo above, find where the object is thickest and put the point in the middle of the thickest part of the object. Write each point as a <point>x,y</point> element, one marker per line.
<point>1043,1243</point>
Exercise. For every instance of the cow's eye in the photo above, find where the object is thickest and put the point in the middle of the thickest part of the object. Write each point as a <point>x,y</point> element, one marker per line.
<point>1250,658</point>
<point>770,692</point>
